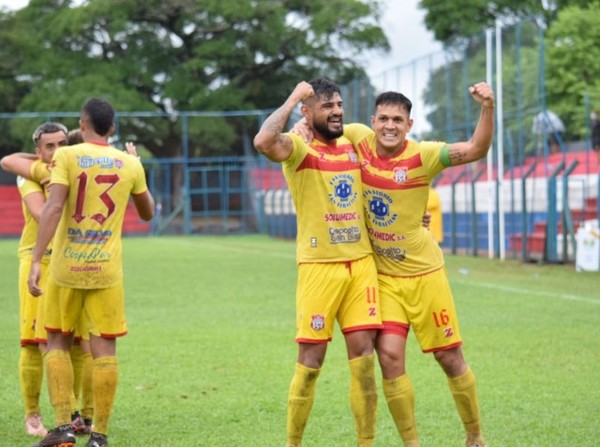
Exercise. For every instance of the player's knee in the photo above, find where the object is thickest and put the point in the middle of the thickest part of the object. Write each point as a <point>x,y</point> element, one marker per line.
<point>451,361</point>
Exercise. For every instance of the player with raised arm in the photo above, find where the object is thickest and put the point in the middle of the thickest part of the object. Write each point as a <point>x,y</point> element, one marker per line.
<point>413,284</point>
<point>337,279</point>
<point>89,189</point>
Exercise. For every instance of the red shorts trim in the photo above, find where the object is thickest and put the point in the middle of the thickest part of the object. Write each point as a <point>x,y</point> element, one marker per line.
<point>391,327</point>
<point>444,348</point>
<point>312,341</point>
<point>369,327</point>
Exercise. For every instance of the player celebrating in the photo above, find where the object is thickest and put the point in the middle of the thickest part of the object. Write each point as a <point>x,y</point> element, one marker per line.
<point>91,182</point>
<point>47,138</point>
<point>414,288</point>
<point>337,279</point>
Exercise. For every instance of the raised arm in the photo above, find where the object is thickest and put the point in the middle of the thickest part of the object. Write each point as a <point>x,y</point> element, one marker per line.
<point>270,141</point>
<point>477,147</point>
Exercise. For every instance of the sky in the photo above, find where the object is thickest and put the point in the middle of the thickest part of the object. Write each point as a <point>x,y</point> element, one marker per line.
<point>410,41</point>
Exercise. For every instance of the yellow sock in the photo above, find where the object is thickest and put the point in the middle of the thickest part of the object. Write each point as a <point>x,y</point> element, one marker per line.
<point>400,399</point>
<point>464,391</point>
<point>87,392</point>
<point>31,374</point>
<point>363,398</point>
<point>59,373</point>
<point>106,378</point>
<point>300,401</point>
<point>77,362</point>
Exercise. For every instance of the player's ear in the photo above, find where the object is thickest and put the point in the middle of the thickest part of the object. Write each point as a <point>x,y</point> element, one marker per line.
<point>111,130</point>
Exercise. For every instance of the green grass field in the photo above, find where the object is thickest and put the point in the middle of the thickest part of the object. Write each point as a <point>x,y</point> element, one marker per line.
<point>210,352</point>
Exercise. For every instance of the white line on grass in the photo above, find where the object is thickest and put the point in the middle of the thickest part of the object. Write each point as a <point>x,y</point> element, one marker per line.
<point>242,249</point>
<point>562,296</point>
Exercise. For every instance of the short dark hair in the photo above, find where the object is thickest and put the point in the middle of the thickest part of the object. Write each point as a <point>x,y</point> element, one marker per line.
<point>100,115</point>
<point>49,127</point>
<point>324,88</point>
<point>74,137</point>
<point>394,98</point>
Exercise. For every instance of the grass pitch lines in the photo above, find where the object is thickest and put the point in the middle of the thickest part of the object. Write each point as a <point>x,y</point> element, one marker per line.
<point>523,291</point>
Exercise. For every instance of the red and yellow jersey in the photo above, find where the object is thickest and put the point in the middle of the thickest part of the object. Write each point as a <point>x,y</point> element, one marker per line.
<point>87,243</point>
<point>324,182</point>
<point>30,228</point>
<point>395,196</point>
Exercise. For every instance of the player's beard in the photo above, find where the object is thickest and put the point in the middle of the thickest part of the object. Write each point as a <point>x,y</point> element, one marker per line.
<point>324,130</point>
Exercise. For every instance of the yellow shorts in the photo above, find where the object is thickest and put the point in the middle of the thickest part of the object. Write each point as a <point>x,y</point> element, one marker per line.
<point>102,310</point>
<point>41,335</point>
<point>342,291</point>
<point>29,304</point>
<point>423,302</point>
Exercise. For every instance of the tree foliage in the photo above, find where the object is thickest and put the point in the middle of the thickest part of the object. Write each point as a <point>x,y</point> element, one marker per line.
<point>178,55</point>
<point>573,65</point>
<point>571,56</point>
<point>453,22</point>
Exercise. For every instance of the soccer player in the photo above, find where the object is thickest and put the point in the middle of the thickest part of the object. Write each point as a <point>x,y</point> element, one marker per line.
<point>413,284</point>
<point>47,138</point>
<point>337,279</point>
<point>89,189</point>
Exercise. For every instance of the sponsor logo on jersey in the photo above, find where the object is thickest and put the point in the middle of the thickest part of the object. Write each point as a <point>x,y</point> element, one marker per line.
<point>378,211</point>
<point>343,194</point>
<point>313,242</point>
<point>448,332</point>
<point>386,237</point>
<point>78,236</point>
<point>341,217</point>
<point>86,162</point>
<point>393,253</point>
<point>317,322</point>
<point>344,235</point>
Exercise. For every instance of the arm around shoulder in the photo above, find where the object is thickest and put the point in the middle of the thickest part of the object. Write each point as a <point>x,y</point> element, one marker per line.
<point>18,163</point>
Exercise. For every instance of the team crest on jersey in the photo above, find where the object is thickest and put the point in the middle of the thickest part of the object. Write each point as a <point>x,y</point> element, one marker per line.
<point>353,157</point>
<point>401,174</point>
<point>317,322</point>
<point>343,194</point>
<point>379,204</point>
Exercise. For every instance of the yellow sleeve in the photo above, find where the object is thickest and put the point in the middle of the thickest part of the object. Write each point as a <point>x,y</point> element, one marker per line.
<point>39,171</point>
<point>356,132</point>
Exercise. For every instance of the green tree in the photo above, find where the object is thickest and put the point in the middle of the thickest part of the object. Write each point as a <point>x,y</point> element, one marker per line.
<point>453,22</point>
<point>178,55</point>
<point>573,65</point>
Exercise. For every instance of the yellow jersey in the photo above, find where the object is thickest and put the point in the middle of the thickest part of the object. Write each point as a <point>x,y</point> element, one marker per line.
<point>396,190</point>
<point>324,182</point>
<point>87,251</point>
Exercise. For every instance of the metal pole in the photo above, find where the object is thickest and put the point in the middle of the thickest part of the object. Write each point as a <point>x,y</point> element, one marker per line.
<point>500,141</point>
<point>490,157</point>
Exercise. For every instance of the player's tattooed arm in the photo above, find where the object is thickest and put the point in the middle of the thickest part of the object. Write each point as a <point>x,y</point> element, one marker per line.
<point>457,156</point>
<point>477,147</point>
<point>270,140</point>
